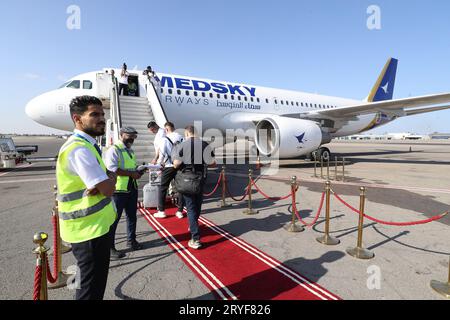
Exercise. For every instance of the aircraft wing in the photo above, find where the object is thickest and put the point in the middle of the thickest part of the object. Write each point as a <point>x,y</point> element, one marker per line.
<point>398,107</point>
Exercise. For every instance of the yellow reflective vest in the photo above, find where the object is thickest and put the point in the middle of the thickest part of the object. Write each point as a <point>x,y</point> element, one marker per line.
<point>127,161</point>
<point>81,217</point>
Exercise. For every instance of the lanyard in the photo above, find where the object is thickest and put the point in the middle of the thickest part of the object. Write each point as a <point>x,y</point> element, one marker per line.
<point>95,145</point>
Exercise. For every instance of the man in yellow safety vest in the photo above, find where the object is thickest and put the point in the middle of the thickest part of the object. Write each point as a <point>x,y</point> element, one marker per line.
<point>120,158</point>
<point>85,187</point>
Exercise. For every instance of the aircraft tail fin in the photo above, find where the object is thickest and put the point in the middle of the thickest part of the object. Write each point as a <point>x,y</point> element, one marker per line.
<point>384,87</point>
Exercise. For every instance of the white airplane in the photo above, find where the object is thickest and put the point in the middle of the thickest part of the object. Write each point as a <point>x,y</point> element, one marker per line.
<point>300,122</point>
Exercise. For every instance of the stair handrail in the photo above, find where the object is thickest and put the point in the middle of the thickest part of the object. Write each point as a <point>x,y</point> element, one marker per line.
<point>115,109</point>
<point>158,113</point>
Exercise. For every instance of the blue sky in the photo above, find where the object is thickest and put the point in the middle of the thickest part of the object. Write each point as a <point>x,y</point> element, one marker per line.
<point>319,46</point>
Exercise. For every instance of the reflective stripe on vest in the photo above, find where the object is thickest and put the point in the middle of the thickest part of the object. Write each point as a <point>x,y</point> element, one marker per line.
<point>125,163</point>
<point>82,217</point>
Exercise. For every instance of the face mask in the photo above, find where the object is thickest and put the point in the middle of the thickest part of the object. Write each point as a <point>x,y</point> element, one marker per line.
<point>128,142</point>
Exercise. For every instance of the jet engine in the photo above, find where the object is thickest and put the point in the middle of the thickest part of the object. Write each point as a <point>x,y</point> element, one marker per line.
<point>287,137</point>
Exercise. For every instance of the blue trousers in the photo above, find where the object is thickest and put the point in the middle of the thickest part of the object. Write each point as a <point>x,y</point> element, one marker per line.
<point>194,207</point>
<point>127,202</point>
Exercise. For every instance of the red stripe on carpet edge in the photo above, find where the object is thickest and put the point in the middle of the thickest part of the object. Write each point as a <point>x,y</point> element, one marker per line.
<point>247,271</point>
<point>208,279</point>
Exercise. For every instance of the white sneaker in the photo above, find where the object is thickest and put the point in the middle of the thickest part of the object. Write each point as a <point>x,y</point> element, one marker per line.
<point>160,214</point>
<point>179,215</point>
<point>194,244</point>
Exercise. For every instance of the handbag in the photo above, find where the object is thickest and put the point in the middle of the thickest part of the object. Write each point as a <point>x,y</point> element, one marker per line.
<point>188,181</point>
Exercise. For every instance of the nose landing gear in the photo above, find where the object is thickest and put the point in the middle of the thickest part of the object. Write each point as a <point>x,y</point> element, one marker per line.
<point>323,153</point>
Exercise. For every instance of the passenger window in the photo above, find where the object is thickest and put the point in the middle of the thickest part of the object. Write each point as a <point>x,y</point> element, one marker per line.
<point>251,99</point>
<point>195,93</point>
<point>218,96</point>
<point>292,103</point>
<point>257,99</point>
<point>282,102</point>
<point>245,98</point>
<point>170,91</point>
<point>87,85</point>
<point>162,90</point>
<point>225,96</point>
<point>178,92</point>
<point>187,92</point>
<point>210,95</point>
<point>267,100</point>
<point>203,94</point>
<point>75,84</point>
<point>232,97</point>
<point>239,98</point>
<point>276,101</point>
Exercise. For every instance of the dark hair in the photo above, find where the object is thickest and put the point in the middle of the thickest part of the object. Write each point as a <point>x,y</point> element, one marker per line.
<point>191,129</point>
<point>152,124</point>
<point>80,104</point>
<point>170,125</point>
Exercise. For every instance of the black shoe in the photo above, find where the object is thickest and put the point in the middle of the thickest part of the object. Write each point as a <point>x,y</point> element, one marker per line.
<point>134,245</point>
<point>116,254</point>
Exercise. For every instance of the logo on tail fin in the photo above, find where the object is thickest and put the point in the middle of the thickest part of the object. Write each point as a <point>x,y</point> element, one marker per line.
<point>384,92</point>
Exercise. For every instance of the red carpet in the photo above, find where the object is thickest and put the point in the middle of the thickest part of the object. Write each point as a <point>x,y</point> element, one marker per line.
<point>230,267</point>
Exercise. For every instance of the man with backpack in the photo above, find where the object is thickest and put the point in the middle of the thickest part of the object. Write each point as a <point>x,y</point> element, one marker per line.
<point>165,147</point>
<point>191,159</point>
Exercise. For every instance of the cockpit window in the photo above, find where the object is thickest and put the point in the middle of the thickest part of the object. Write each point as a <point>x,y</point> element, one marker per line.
<point>64,85</point>
<point>87,85</point>
<point>75,84</point>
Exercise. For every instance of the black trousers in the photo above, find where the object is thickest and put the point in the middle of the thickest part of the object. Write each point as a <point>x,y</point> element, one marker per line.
<point>123,87</point>
<point>93,262</point>
<point>128,202</point>
<point>167,175</point>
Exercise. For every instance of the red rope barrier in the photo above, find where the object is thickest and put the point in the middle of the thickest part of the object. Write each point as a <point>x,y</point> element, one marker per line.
<point>215,188</point>
<point>231,196</point>
<point>270,198</point>
<point>37,283</point>
<point>390,223</point>
<point>50,277</point>
<point>294,208</point>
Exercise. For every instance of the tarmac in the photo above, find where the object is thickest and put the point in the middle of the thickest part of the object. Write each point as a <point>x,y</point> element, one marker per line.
<point>405,180</point>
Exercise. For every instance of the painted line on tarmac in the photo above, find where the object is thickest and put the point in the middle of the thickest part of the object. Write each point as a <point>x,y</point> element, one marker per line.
<point>17,168</point>
<point>27,180</point>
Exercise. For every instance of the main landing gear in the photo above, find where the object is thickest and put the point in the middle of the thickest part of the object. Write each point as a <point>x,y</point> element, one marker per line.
<point>322,152</point>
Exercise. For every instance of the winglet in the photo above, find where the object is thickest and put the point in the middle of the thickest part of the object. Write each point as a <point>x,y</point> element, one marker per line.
<point>384,87</point>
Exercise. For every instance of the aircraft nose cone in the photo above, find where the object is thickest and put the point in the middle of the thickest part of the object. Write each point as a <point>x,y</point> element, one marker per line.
<point>32,109</point>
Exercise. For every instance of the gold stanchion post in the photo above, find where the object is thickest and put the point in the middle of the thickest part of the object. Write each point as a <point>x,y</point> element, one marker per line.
<point>321,167</point>
<point>41,252</point>
<point>343,169</point>
<point>360,252</point>
<point>250,210</point>
<point>328,169</point>
<point>62,276</point>
<point>65,248</point>
<point>315,167</point>
<point>336,168</point>
<point>326,238</point>
<point>441,287</point>
<point>222,203</point>
<point>292,226</point>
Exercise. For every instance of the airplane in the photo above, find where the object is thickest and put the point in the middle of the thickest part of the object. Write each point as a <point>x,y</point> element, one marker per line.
<point>295,123</point>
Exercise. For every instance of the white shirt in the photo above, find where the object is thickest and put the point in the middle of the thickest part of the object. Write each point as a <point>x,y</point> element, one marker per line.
<point>165,151</point>
<point>158,138</point>
<point>83,163</point>
<point>175,137</point>
<point>123,79</point>
<point>111,157</point>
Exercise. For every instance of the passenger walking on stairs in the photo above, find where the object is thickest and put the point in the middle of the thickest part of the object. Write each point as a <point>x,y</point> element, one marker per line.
<point>86,211</point>
<point>121,159</point>
<point>123,81</point>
